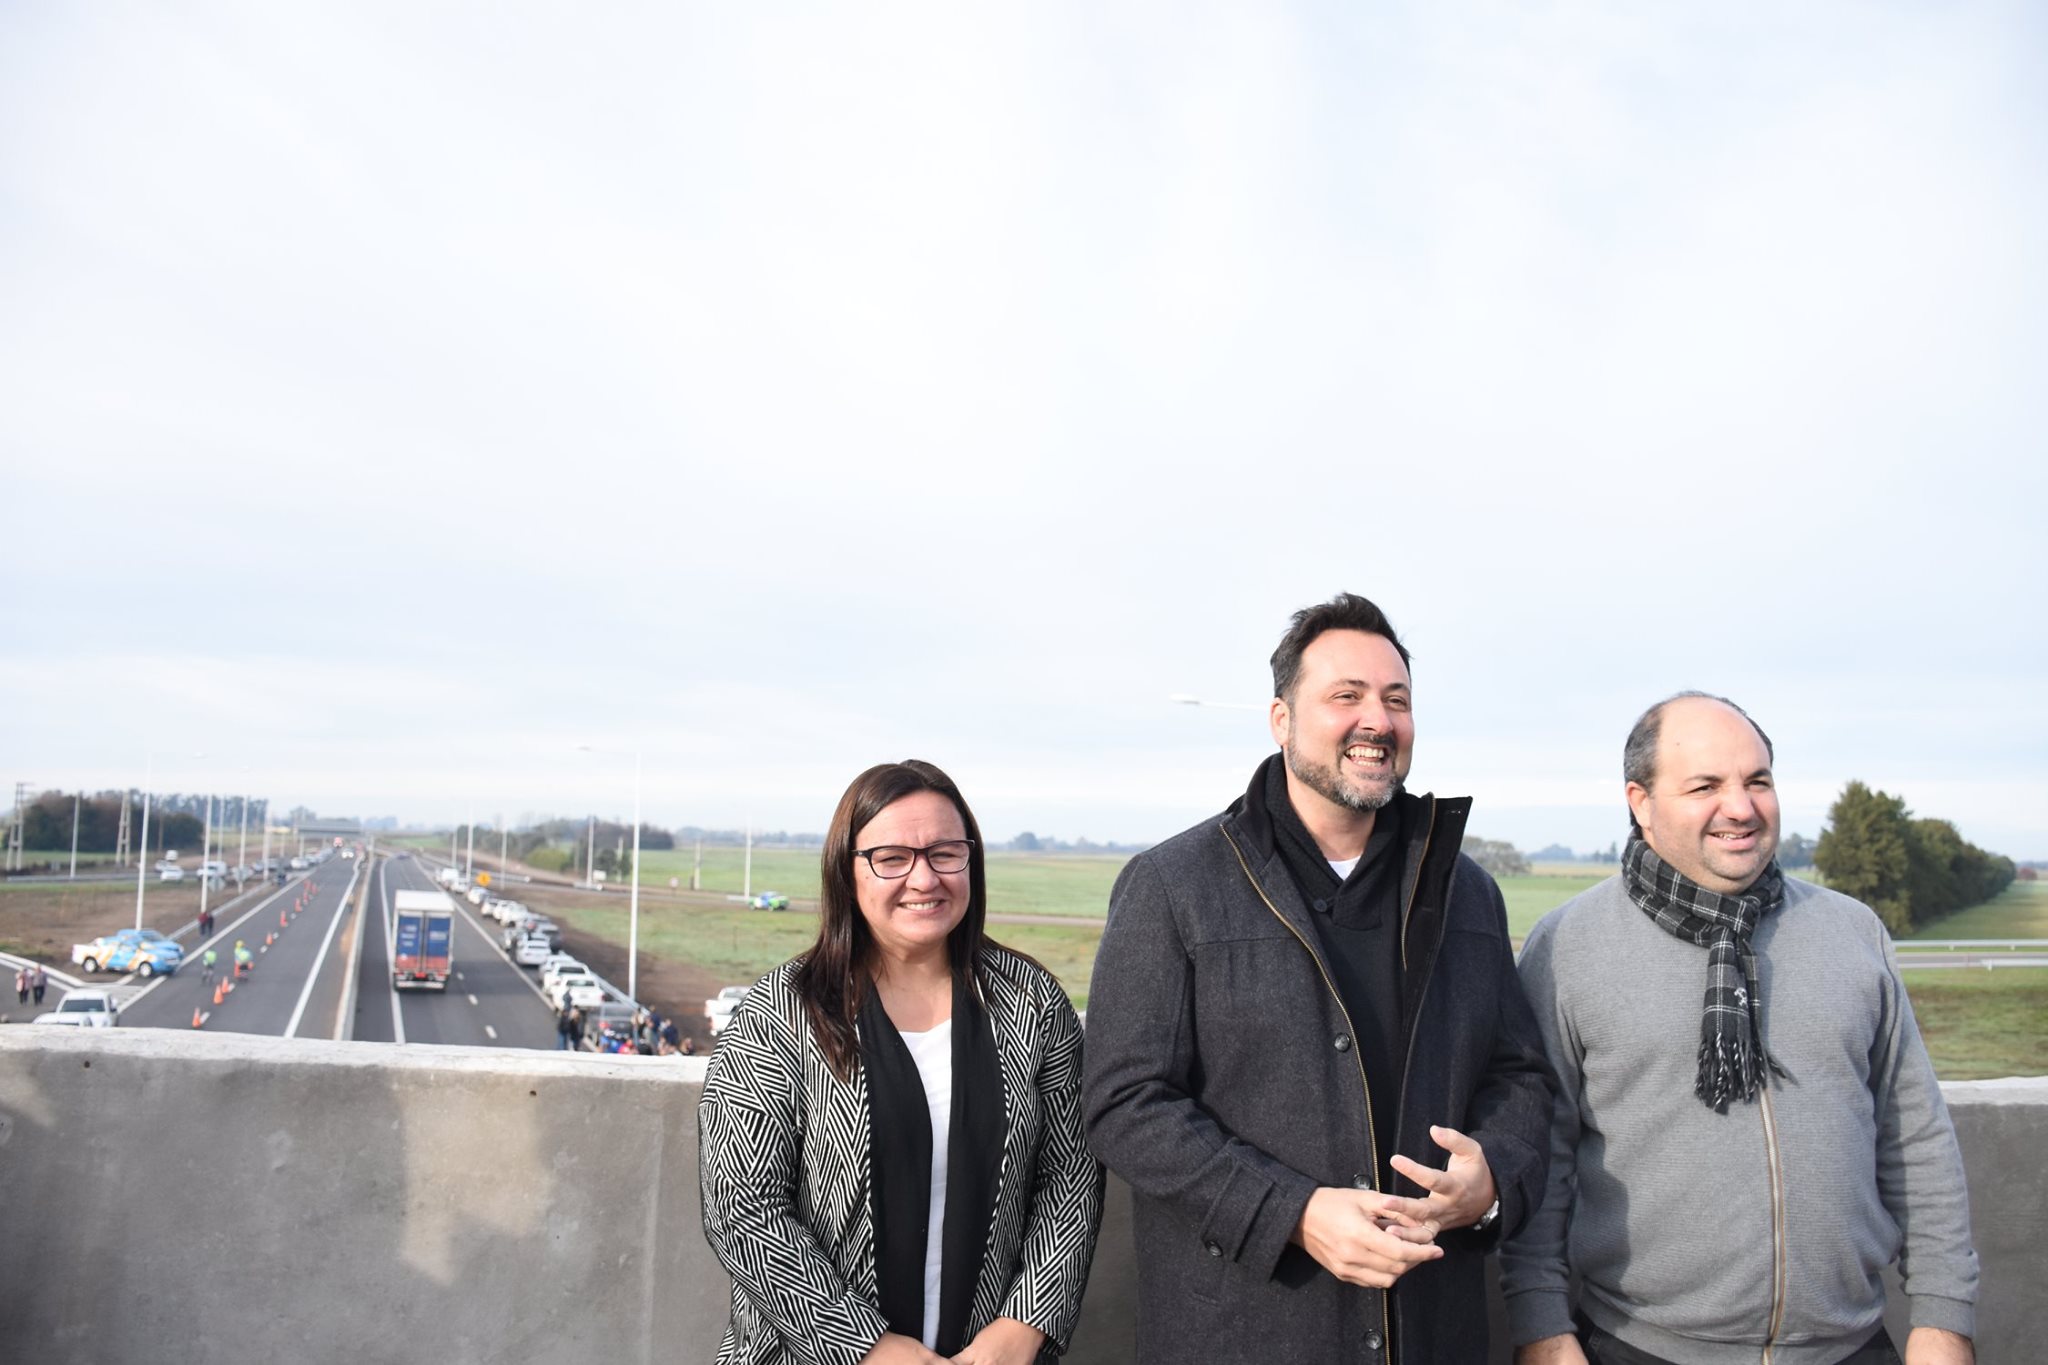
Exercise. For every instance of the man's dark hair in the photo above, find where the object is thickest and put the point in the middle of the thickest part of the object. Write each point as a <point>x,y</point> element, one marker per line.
<point>1345,611</point>
<point>1639,754</point>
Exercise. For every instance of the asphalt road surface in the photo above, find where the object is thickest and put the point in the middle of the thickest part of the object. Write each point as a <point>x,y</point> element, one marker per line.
<point>491,1002</point>
<point>294,985</point>
<point>300,985</point>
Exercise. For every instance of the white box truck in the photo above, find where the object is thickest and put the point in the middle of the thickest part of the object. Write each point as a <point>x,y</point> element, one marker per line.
<point>422,939</point>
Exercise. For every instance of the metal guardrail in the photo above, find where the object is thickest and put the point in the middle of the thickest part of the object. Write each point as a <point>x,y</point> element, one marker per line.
<point>1968,945</point>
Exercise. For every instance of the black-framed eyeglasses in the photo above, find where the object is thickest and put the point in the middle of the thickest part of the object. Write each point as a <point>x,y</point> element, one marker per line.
<point>890,861</point>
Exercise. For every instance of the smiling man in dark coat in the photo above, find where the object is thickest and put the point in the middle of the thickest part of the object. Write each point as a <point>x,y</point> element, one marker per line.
<point>1289,995</point>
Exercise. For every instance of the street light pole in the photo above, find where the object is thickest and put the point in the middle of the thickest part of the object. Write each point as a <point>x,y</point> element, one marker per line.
<point>205,856</point>
<point>142,854</point>
<point>76,797</point>
<point>633,905</point>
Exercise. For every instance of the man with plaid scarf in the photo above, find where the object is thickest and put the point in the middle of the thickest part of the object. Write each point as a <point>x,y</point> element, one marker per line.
<point>1749,1129</point>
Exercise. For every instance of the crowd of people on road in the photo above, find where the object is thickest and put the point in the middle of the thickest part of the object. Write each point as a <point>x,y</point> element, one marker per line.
<point>647,1033</point>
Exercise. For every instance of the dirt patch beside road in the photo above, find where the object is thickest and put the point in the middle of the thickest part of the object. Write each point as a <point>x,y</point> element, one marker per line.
<point>676,989</point>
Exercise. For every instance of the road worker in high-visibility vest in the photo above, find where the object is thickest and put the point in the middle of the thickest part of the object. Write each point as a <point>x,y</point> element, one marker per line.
<point>244,959</point>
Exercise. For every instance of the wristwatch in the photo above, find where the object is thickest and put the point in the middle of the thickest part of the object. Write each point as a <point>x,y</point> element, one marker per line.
<point>1486,1219</point>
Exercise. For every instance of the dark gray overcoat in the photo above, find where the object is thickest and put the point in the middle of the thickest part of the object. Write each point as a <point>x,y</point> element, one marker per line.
<point>1221,1083</point>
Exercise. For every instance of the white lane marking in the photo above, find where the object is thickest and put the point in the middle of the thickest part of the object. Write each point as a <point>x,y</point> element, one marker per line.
<point>391,970</point>
<point>489,942</point>
<point>291,1030</point>
<point>472,1000</point>
<point>201,945</point>
<point>345,1008</point>
<point>490,1033</point>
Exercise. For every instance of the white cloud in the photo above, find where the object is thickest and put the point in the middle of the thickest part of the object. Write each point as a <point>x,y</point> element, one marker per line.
<point>417,393</point>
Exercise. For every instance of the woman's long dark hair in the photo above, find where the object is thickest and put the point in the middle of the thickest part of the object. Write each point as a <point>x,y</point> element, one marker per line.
<point>838,971</point>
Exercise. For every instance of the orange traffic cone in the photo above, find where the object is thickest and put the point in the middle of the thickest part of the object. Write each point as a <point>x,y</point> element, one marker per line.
<point>281,921</point>
<point>197,1019</point>
<point>220,992</point>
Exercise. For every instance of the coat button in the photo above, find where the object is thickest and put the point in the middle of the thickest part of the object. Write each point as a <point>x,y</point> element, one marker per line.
<point>1359,1182</point>
<point>1372,1339</point>
<point>1212,1248</point>
<point>1342,1042</point>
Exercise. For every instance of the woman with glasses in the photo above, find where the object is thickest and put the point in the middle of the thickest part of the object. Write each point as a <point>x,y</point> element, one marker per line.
<point>890,1134</point>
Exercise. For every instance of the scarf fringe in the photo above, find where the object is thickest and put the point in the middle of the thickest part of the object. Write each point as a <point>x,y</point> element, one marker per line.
<point>1731,1069</point>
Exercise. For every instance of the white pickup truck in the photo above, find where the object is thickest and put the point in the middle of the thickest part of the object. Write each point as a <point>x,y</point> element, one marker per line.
<point>718,1009</point>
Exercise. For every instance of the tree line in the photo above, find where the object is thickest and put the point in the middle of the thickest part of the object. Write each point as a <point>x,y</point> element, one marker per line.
<point>1910,870</point>
<point>176,820</point>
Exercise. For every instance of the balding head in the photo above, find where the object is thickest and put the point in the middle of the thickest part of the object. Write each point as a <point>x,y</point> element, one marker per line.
<point>1701,791</point>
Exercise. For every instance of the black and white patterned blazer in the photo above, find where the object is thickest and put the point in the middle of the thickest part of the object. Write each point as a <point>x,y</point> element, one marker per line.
<point>783,1158</point>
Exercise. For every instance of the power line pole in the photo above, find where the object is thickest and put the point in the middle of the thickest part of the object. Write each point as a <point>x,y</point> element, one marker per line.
<point>14,831</point>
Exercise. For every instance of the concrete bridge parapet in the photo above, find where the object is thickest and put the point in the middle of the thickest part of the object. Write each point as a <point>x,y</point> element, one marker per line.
<point>217,1198</point>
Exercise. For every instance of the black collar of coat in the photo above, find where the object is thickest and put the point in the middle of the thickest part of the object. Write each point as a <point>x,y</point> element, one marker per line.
<point>1432,832</point>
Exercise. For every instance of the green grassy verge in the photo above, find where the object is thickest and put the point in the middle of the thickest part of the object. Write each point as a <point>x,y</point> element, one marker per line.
<point>738,945</point>
<point>61,857</point>
<point>1018,883</point>
<point>2019,911</point>
<point>1983,1024</point>
<point>792,871</point>
<point>1977,1023</point>
<point>1531,898</point>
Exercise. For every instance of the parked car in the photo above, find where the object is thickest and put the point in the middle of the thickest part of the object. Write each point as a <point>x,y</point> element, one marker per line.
<point>769,900</point>
<point>161,942</point>
<point>475,895</point>
<point>533,926</point>
<point>566,985</point>
<point>169,872</point>
<point>559,962</point>
<point>584,992</point>
<point>718,1009</point>
<point>127,951</point>
<point>531,952</point>
<point>85,1009</point>
<point>612,1014</point>
<point>726,1001</point>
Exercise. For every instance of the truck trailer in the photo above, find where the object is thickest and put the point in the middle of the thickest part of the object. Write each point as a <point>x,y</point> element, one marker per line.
<point>422,939</point>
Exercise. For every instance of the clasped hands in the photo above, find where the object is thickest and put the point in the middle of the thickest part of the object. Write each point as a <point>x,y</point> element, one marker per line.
<point>1368,1238</point>
<point>1005,1341</point>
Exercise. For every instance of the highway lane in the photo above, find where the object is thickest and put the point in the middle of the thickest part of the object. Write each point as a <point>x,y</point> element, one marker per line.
<point>303,917</point>
<point>490,1003</point>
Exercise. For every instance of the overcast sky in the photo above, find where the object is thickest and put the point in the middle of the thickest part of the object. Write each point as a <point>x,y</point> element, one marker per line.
<point>399,397</point>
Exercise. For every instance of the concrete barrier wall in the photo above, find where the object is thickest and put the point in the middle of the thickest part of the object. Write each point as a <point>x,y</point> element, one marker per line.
<point>215,1198</point>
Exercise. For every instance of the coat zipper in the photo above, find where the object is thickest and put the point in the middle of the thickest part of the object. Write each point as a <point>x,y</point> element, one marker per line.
<point>1372,1166</point>
<point>1778,1268</point>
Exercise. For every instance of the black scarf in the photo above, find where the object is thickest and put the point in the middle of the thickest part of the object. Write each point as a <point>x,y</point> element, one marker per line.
<point>900,1165</point>
<point>1733,1061</point>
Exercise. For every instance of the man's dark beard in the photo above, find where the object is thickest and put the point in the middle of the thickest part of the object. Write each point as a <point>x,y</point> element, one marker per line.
<point>1324,783</point>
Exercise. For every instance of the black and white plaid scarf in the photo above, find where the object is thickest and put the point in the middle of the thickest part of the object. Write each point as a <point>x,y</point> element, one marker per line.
<point>1733,1061</point>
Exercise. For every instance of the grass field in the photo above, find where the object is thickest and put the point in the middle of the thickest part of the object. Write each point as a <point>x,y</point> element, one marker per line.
<point>60,858</point>
<point>1983,1024</point>
<point>738,945</point>
<point>1977,1023</point>
<point>2020,911</point>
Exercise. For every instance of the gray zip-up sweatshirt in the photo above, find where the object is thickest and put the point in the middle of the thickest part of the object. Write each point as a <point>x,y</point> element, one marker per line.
<point>1758,1234</point>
